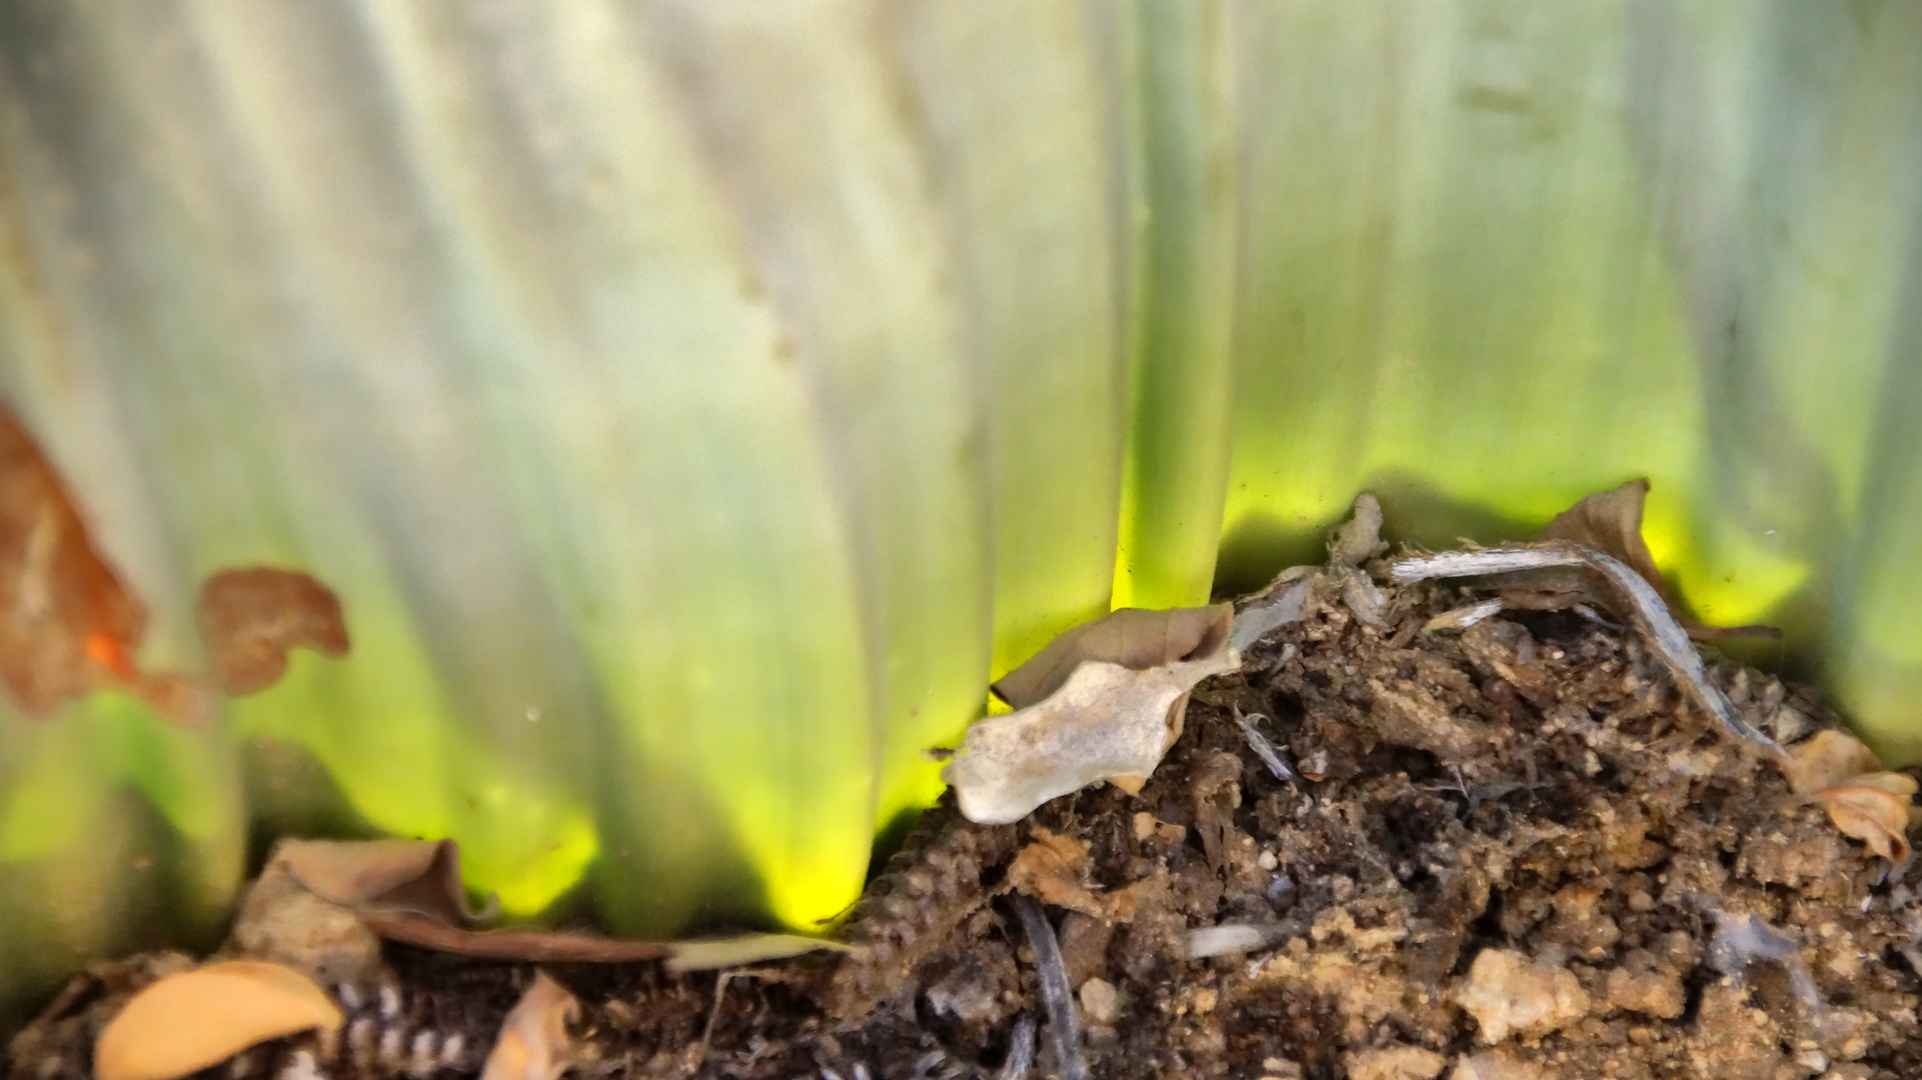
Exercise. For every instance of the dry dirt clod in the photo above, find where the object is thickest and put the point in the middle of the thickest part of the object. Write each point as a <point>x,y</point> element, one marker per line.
<point>1509,994</point>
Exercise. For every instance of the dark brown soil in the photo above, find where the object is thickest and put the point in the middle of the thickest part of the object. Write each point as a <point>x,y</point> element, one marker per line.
<point>1518,826</point>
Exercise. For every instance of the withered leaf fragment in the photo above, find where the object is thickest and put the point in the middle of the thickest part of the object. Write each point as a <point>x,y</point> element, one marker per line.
<point>411,891</point>
<point>190,1020</point>
<point>1133,638</point>
<point>1836,771</point>
<point>1107,721</point>
<point>68,624</point>
<point>533,1043</point>
<point>419,876</point>
<point>1611,522</point>
<point>251,618</point>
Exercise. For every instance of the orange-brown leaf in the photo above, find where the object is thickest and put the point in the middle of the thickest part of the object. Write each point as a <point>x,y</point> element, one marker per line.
<point>251,618</point>
<point>68,624</point>
<point>1611,522</point>
<point>190,1020</point>
<point>533,1043</point>
<point>1134,638</point>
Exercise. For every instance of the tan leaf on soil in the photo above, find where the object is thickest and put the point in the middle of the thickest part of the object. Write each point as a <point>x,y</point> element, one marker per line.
<point>534,1043</point>
<point>1106,722</point>
<point>1866,802</point>
<point>188,1021</point>
<point>1611,522</point>
<point>1133,638</point>
<point>1828,759</point>
<point>1874,810</point>
<point>252,618</point>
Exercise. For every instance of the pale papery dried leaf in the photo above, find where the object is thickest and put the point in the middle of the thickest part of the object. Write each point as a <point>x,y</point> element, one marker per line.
<point>1877,817</point>
<point>251,618</point>
<point>1106,721</point>
<point>534,1043</point>
<point>1133,638</point>
<point>188,1021</point>
<point>1827,759</point>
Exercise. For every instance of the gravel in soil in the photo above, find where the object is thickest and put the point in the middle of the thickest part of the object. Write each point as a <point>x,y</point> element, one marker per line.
<point>1512,851</point>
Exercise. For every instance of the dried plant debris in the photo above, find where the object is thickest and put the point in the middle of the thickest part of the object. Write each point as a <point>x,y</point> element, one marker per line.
<point>1837,772</point>
<point>189,1020</point>
<point>321,906</point>
<point>534,1043</point>
<point>1102,702</point>
<point>252,618</point>
<point>1611,522</point>
<point>1514,849</point>
<point>69,625</point>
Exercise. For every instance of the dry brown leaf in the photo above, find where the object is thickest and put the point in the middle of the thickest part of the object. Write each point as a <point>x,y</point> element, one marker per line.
<point>251,619</point>
<point>188,1021</point>
<point>68,624</point>
<point>419,876</point>
<point>1834,769</point>
<point>534,1043</point>
<point>1133,638</point>
<point>1611,522</point>
<point>537,946</point>
<point>1828,759</point>
<point>1872,814</point>
<point>314,895</point>
<point>1106,722</point>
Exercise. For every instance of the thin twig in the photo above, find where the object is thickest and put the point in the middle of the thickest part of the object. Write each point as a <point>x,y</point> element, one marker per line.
<point>1064,1027</point>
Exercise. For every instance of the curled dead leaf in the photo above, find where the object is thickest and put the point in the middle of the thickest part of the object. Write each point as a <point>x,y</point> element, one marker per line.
<point>1872,813</point>
<point>251,618</point>
<point>188,1021</point>
<point>1827,760</point>
<point>534,1043</point>
<point>1611,522</point>
<point>1132,638</point>
<point>420,876</point>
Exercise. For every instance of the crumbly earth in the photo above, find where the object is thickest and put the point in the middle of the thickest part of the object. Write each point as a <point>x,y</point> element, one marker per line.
<point>1512,852</point>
